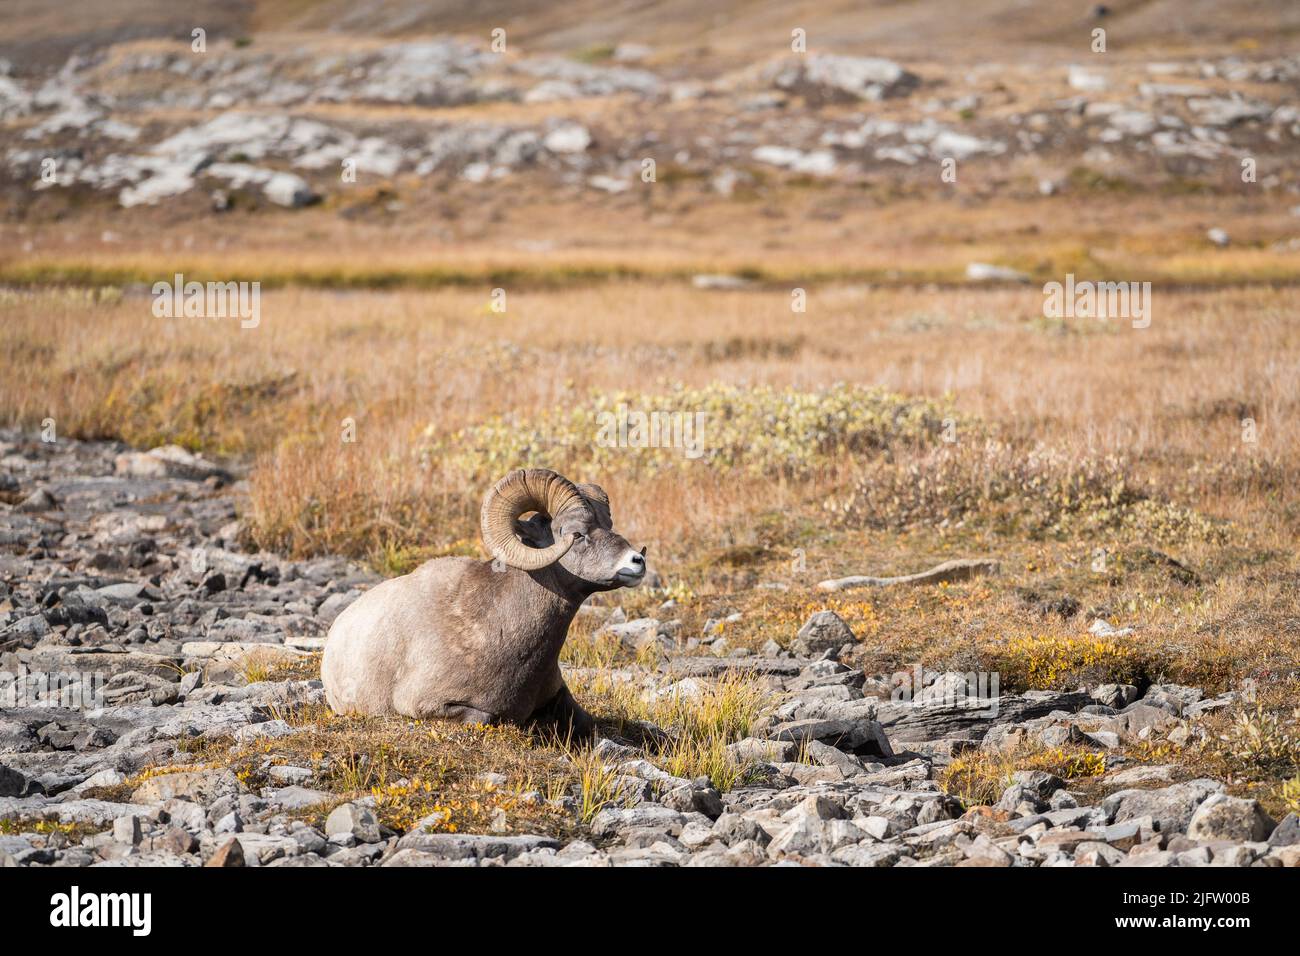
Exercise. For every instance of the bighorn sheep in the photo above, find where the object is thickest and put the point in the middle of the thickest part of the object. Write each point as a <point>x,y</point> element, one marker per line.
<point>479,641</point>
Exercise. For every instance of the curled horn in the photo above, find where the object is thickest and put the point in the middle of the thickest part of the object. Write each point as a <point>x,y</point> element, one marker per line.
<point>522,491</point>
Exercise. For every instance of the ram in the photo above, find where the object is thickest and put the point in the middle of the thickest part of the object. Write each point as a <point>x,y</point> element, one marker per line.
<point>479,641</point>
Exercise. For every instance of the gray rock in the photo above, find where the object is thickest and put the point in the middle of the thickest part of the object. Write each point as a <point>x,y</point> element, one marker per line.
<point>168,461</point>
<point>826,756</point>
<point>986,272</point>
<point>1115,696</point>
<point>358,821</point>
<point>823,631</point>
<point>1170,807</point>
<point>1121,836</point>
<point>831,77</point>
<point>1287,832</point>
<point>1219,111</point>
<point>1221,817</point>
<point>261,849</point>
<point>336,604</point>
<point>809,828</point>
<point>861,736</point>
<point>175,840</point>
<point>457,846</point>
<point>911,722</point>
<point>1033,787</point>
<point>868,855</point>
<point>298,797</point>
<point>187,815</point>
<point>1156,858</point>
<point>310,839</point>
<point>567,138</point>
<point>694,799</point>
<point>611,820</point>
<point>733,828</point>
<point>15,784</point>
<point>290,776</point>
<point>25,632</point>
<point>126,829</point>
<point>958,569</point>
<point>286,189</point>
<point>1092,853</point>
<point>39,500</point>
<point>635,634</point>
<point>200,786</point>
<point>1143,773</point>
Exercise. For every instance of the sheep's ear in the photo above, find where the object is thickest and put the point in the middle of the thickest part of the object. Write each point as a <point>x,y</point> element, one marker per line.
<point>535,531</point>
<point>599,502</point>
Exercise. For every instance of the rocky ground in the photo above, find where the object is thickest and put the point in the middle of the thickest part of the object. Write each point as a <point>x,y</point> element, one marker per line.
<point>290,121</point>
<point>120,571</point>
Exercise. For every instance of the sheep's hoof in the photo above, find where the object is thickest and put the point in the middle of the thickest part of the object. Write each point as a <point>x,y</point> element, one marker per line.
<point>566,717</point>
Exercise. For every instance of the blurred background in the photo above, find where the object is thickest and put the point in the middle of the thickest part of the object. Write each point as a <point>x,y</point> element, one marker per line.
<point>464,157</point>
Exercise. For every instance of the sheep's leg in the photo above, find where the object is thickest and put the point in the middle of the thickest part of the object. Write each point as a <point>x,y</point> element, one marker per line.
<point>567,716</point>
<point>466,714</point>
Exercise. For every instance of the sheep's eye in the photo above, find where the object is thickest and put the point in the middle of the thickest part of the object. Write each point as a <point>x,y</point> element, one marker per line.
<point>578,536</point>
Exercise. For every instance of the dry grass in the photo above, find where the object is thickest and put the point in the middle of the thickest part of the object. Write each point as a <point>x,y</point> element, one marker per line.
<point>699,723</point>
<point>1142,221</point>
<point>478,779</point>
<point>1073,440</point>
<point>1253,746</point>
<point>415,770</point>
<point>1105,467</point>
<point>978,778</point>
<point>413,369</point>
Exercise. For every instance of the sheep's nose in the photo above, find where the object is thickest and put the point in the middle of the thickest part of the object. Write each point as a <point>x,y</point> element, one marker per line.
<point>638,561</point>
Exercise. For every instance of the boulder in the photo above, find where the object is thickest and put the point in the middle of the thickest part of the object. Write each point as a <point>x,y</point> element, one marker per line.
<point>829,77</point>
<point>458,846</point>
<point>168,461</point>
<point>355,820</point>
<point>823,631</point>
<point>288,190</point>
<point>1171,808</point>
<point>861,736</point>
<point>1221,817</point>
<point>1287,832</point>
<point>199,786</point>
<point>230,853</point>
<point>15,784</point>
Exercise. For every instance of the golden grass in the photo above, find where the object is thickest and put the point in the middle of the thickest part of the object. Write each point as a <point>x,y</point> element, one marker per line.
<point>1252,746</point>
<point>598,783</point>
<point>416,770</point>
<point>1157,413</point>
<point>699,724</point>
<point>410,367</point>
<point>891,231</point>
<point>979,777</point>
